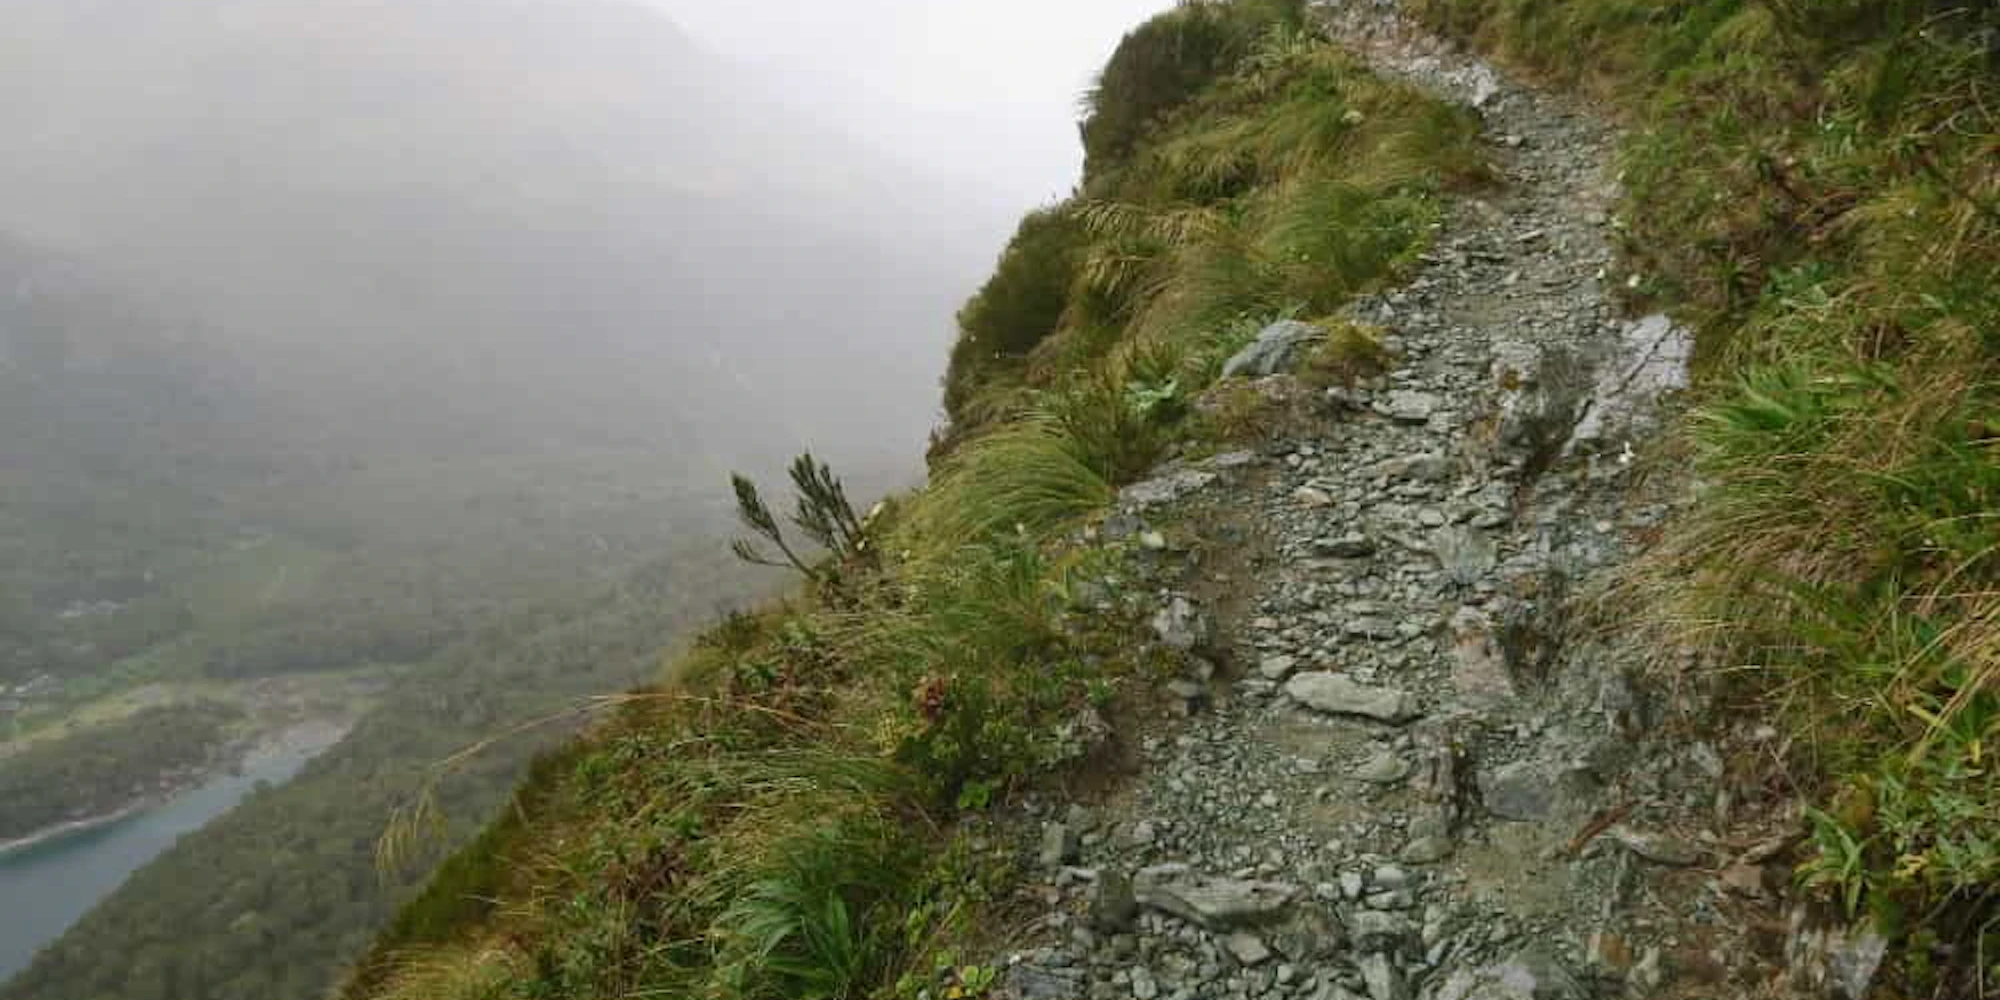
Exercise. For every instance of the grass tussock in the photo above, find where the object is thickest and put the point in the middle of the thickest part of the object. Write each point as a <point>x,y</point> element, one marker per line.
<point>1283,186</point>
<point>1816,183</point>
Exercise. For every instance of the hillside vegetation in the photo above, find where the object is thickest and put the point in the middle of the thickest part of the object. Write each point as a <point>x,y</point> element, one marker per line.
<point>780,817</point>
<point>1816,184</point>
<point>81,776</point>
<point>1810,183</point>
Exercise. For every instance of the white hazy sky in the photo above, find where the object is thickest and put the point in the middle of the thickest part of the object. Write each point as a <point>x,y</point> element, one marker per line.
<point>988,89</point>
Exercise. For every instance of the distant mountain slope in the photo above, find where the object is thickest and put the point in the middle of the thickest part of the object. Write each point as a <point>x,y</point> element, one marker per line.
<point>463,201</point>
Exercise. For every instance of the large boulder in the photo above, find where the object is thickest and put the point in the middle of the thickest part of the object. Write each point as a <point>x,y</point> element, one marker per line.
<point>1336,694</point>
<point>1217,904</point>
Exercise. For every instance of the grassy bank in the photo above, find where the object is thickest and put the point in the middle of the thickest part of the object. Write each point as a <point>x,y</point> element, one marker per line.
<point>787,814</point>
<point>1816,184</point>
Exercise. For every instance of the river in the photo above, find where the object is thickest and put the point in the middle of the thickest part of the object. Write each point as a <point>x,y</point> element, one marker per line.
<point>45,888</point>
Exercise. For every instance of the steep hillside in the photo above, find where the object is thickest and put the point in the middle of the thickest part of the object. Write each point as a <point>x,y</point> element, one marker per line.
<point>1518,689</point>
<point>340,338</point>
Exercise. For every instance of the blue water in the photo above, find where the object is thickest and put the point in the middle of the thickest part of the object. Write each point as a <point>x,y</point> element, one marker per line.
<point>45,889</point>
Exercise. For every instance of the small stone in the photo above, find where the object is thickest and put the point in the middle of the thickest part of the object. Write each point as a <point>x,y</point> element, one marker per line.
<point>1214,903</point>
<point>1028,981</point>
<point>1180,625</point>
<point>1189,697</point>
<point>1277,668</point>
<point>1165,489</point>
<point>1384,980</point>
<point>1744,880</point>
<point>1312,496</point>
<point>1143,986</point>
<point>1335,694</point>
<point>1348,546</point>
<point>1384,768</point>
<point>1352,885</point>
<point>1060,845</point>
<point>1648,975</point>
<point>1377,929</point>
<point>1523,791</point>
<point>1274,350</point>
<point>1153,541</point>
<point>1247,948</point>
<point>1390,877</point>
<point>1659,848</point>
<point>1308,935</point>
<point>1610,954</point>
<point>1113,909</point>
<point>1428,850</point>
<point>1531,974</point>
<point>1410,407</point>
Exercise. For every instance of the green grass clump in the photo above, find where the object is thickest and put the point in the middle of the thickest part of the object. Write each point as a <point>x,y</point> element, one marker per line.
<point>1284,186</point>
<point>1816,185</point>
<point>775,822</point>
<point>1169,61</point>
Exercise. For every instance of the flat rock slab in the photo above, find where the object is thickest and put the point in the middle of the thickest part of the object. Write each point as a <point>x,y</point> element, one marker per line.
<point>1218,904</point>
<point>1275,350</point>
<point>1165,489</point>
<point>1335,694</point>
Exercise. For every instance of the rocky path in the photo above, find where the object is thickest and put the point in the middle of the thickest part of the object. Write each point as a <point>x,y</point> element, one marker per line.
<point>1424,770</point>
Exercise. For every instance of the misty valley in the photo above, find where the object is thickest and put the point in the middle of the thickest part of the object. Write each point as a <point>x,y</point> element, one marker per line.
<point>370,378</point>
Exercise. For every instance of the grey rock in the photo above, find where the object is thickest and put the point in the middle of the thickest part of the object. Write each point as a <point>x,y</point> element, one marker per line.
<point>1028,981</point>
<point>1277,668</point>
<point>1060,845</point>
<point>1377,930</point>
<point>1247,948</point>
<point>1180,625</point>
<point>1426,850</point>
<point>1275,350</point>
<point>1464,554</point>
<point>1659,848</point>
<point>1335,694</point>
<point>1165,489</point>
<point>1384,768</point>
<point>1144,987</point>
<point>1479,667</point>
<point>1651,359</point>
<point>1384,980</point>
<point>1833,961</point>
<point>1348,546</point>
<point>1410,406</point>
<point>1855,964</point>
<point>1308,934</point>
<point>1524,791</point>
<point>1352,884</point>
<point>1531,974</point>
<point>1189,696</point>
<point>1217,904</point>
<point>1232,460</point>
<point>1366,627</point>
<point>1113,907</point>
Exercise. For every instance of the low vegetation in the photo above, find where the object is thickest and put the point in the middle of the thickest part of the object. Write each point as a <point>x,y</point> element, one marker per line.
<point>790,813</point>
<point>1816,184</point>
